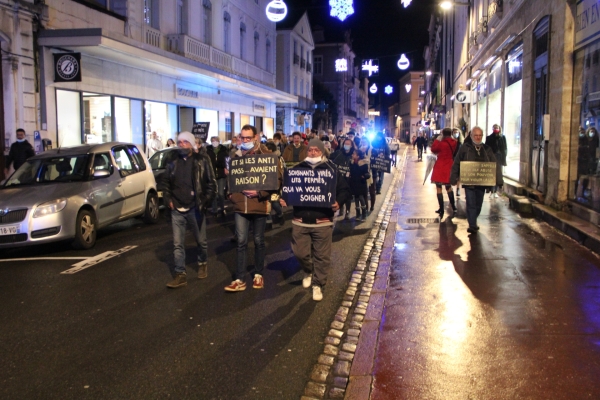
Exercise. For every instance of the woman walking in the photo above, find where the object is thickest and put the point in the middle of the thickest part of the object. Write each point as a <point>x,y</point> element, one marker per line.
<point>445,149</point>
<point>359,173</point>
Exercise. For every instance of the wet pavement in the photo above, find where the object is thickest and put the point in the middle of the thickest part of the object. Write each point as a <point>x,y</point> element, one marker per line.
<point>512,312</point>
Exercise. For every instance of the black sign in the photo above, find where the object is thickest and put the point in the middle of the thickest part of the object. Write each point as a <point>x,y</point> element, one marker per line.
<point>309,187</point>
<point>253,172</point>
<point>200,130</point>
<point>380,162</point>
<point>67,67</point>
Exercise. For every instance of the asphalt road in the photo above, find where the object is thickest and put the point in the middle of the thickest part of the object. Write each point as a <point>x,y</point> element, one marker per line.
<point>114,331</point>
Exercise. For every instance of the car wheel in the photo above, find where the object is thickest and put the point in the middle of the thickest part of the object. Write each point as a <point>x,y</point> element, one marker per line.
<point>85,230</point>
<point>152,211</point>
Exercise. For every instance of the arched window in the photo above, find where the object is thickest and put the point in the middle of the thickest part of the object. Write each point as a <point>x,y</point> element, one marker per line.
<point>207,17</point>
<point>226,32</point>
<point>256,42</point>
<point>242,39</point>
<point>268,55</point>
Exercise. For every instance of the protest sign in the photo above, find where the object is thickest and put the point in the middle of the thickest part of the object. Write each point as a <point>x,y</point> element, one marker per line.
<point>380,162</point>
<point>253,172</point>
<point>200,130</point>
<point>309,187</point>
<point>474,173</point>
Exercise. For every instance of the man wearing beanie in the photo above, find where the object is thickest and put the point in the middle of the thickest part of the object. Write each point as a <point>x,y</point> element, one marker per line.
<point>189,187</point>
<point>312,227</point>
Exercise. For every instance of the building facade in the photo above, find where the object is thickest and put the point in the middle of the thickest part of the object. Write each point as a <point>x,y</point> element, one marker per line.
<point>294,73</point>
<point>411,104</point>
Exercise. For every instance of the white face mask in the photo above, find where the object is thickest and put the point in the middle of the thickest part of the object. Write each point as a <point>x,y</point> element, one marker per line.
<point>214,144</point>
<point>312,160</point>
<point>591,134</point>
<point>347,148</point>
<point>276,142</point>
<point>247,146</point>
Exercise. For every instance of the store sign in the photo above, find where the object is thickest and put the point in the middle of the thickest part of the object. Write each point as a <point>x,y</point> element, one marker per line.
<point>587,22</point>
<point>67,67</point>
<point>258,107</point>
<point>200,130</point>
<point>186,93</point>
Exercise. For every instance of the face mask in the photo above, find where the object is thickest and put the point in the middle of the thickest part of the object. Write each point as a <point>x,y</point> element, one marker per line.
<point>312,160</point>
<point>184,152</point>
<point>247,146</point>
<point>20,140</point>
<point>214,144</point>
<point>496,131</point>
<point>455,136</point>
<point>591,134</point>
<point>347,148</point>
<point>276,142</point>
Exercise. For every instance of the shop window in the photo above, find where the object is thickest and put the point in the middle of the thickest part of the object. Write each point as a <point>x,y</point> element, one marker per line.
<point>160,118</point>
<point>129,121</point>
<point>211,116</point>
<point>512,110</point>
<point>68,118</point>
<point>494,96</point>
<point>540,103</point>
<point>97,118</point>
<point>481,102</point>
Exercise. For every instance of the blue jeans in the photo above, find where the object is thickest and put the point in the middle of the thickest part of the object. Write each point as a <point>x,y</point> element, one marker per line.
<point>474,195</point>
<point>219,201</point>
<point>242,228</point>
<point>197,223</point>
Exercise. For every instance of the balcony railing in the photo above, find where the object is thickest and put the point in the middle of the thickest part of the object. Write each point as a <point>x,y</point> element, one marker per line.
<point>189,47</point>
<point>221,60</point>
<point>151,36</point>
<point>296,59</point>
<point>308,67</point>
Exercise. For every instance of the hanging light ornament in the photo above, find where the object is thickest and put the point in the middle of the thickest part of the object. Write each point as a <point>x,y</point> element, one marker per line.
<point>389,90</point>
<point>276,10</point>
<point>373,89</point>
<point>408,86</point>
<point>341,8</point>
<point>403,62</point>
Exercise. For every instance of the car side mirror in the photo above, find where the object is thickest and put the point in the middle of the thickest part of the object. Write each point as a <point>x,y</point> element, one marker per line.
<point>101,173</point>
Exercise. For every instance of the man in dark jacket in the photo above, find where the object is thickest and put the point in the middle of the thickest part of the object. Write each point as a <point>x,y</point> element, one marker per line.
<point>497,141</point>
<point>379,145</point>
<point>421,143</point>
<point>312,227</point>
<point>218,157</point>
<point>20,151</point>
<point>189,187</point>
<point>342,159</point>
<point>479,152</point>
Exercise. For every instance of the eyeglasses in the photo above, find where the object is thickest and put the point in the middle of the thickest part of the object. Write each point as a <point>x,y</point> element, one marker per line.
<point>246,138</point>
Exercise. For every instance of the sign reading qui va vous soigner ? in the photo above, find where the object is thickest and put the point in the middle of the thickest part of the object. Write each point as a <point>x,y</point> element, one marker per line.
<point>309,187</point>
<point>254,172</point>
<point>474,173</point>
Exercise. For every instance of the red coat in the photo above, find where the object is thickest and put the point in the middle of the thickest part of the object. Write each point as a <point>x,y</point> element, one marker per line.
<point>445,151</point>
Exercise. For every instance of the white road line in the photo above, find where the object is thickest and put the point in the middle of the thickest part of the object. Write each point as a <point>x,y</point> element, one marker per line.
<point>80,266</point>
<point>44,258</point>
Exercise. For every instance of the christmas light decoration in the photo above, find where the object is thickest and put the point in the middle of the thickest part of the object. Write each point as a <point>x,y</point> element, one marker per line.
<point>403,62</point>
<point>406,3</point>
<point>408,86</point>
<point>372,66</point>
<point>341,65</point>
<point>276,10</point>
<point>388,89</point>
<point>373,89</point>
<point>341,8</point>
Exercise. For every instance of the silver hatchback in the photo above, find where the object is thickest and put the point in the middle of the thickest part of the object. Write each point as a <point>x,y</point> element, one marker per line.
<point>70,193</point>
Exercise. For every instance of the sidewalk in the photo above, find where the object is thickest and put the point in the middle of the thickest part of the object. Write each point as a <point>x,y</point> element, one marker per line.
<point>510,312</point>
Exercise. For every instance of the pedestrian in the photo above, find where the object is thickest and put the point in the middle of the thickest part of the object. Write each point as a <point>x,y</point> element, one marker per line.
<point>199,144</point>
<point>275,206</point>
<point>365,147</point>
<point>394,147</point>
<point>19,152</point>
<point>153,145</point>
<point>296,151</point>
<point>379,146</point>
<point>218,157</point>
<point>421,143</point>
<point>445,149</point>
<point>359,173</point>
<point>170,142</point>
<point>312,227</point>
<point>477,151</point>
<point>277,140</point>
<point>497,141</point>
<point>189,187</point>
<point>251,207</point>
<point>343,159</point>
<point>457,135</point>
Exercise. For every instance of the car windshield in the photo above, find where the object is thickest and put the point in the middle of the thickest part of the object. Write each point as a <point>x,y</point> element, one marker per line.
<point>52,169</point>
<point>160,159</point>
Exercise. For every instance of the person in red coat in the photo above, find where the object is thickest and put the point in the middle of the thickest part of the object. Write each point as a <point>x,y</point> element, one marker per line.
<point>445,149</point>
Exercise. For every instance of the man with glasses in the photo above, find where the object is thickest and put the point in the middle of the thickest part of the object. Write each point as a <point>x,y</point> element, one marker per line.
<point>251,207</point>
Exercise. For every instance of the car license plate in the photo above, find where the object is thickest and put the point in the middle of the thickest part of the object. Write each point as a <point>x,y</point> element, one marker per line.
<point>8,230</point>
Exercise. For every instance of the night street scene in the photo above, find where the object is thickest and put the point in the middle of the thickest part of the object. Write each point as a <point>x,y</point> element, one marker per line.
<point>300,199</point>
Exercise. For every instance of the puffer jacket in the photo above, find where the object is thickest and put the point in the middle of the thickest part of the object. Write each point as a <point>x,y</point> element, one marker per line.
<point>205,184</point>
<point>445,150</point>
<point>467,152</point>
<point>255,205</point>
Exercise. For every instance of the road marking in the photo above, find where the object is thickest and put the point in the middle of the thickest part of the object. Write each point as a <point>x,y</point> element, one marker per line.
<point>44,258</point>
<point>91,261</point>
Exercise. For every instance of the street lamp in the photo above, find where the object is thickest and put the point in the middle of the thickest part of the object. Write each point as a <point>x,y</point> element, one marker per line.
<point>448,4</point>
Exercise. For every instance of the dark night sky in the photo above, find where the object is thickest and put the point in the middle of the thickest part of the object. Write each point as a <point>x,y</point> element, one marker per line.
<point>381,29</point>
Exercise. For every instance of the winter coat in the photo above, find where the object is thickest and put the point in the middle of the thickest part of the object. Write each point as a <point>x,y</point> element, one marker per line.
<point>498,145</point>
<point>218,160</point>
<point>358,177</point>
<point>445,150</point>
<point>321,215</point>
<point>288,153</point>
<point>421,142</point>
<point>467,152</point>
<point>255,205</point>
<point>205,185</point>
<point>19,153</point>
<point>343,161</point>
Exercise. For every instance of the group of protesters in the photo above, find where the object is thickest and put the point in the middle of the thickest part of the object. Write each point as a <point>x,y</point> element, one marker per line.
<point>195,180</point>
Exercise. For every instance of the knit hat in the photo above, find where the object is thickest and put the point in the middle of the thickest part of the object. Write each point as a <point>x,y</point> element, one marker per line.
<point>317,143</point>
<point>188,137</point>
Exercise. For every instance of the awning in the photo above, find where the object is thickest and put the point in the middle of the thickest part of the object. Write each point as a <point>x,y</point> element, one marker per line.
<point>105,45</point>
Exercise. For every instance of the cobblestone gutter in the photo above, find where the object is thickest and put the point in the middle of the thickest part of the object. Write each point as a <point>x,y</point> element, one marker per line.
<point>329,378</point>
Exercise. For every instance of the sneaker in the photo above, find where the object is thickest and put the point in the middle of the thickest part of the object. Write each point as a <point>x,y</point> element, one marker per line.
<point>179,281</point>
<point>347,215</point>
<point>258,282</point>
<point>317,293</point>
<point>307,281</point>
<point>202,270</point>
<point>236,286</point>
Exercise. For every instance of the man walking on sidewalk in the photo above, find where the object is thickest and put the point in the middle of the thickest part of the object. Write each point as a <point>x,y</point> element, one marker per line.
<point>189,187</point>
<point>19,152</point>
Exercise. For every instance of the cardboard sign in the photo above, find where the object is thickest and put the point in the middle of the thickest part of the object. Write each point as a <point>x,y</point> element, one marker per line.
<point>253,172</point>
<point>200,130</point>
<point>381,163</point>
<point>309,187</point>
<point>474,173</point>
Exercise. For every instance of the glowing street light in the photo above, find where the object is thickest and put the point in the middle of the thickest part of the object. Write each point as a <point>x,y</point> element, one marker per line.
<point>276,10</point>
<point>428,73</point>
<point>448,4</point>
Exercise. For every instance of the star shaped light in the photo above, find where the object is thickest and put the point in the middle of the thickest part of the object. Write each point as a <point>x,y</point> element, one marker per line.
<point>341,8</point>
<point>388,89</point>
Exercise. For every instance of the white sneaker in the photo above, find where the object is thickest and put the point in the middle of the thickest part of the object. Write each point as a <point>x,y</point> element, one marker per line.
<point>317,293</point>
<point>307,281</point>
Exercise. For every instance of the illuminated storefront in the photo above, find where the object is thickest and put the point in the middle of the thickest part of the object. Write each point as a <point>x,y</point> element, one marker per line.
<point>513,95</point>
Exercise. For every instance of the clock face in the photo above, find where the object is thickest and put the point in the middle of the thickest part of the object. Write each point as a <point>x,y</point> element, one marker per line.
<point>67,67</point>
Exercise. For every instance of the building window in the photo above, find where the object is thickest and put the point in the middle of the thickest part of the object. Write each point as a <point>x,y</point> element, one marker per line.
<point>242,39</point>
<point>228,128</point>
<point>117,6</point>
<point>318,65</point>
<point>295,85</point>
<point>226,32</point>
<point>308,90</point>
<point>207,16</point>
<point>181,17</point>
<point>421,91</point>
<point>151,13</point>
<point>268,56</point>
<point>301,87</point>
<point>256,42</point>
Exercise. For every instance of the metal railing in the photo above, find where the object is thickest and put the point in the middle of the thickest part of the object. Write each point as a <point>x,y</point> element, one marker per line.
<point>296,59</point>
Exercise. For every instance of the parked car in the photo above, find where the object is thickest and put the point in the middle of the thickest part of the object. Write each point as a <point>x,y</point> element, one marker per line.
<point>158,163</point>
<point>70,193</point>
